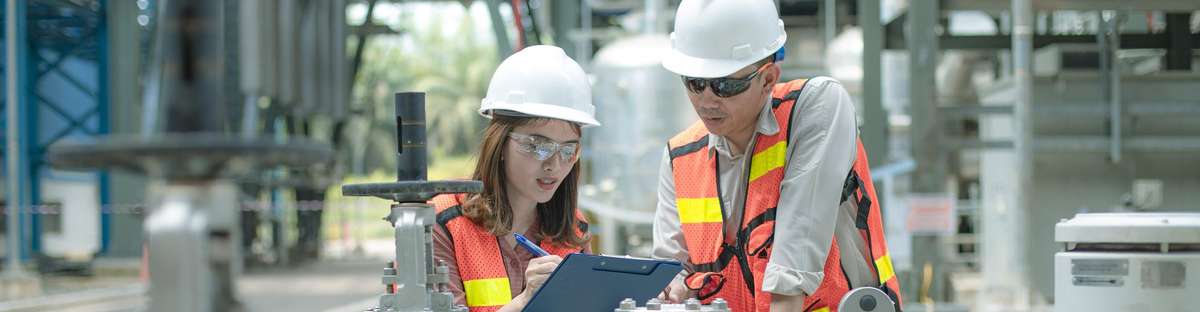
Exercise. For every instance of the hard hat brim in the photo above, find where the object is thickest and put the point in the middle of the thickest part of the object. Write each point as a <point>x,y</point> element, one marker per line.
<point>539,110</point>
<point>691,66</point>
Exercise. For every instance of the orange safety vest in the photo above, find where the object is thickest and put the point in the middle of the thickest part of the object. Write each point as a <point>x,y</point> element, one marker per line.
<point>477,253</point>
<point>735,272</point>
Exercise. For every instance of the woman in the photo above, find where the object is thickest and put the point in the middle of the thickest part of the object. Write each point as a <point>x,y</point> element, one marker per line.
<point>538,101</point>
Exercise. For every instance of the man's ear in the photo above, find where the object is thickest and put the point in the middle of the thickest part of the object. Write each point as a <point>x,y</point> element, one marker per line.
<point>771,75</point>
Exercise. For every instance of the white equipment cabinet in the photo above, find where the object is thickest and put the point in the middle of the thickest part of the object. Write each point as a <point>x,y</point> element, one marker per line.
<point>1128,262</point>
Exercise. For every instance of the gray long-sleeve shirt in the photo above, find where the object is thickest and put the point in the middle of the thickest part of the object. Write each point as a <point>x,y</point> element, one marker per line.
<point>820,154</point>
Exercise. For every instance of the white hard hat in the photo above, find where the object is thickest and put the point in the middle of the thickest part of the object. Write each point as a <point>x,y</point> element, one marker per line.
<point>716,38</point>
<point>541,81</point>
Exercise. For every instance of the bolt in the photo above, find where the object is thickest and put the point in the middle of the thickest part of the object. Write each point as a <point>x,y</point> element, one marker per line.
<point>867,303</point>
<point>654,304</point>
<point>628,304</point>
<point>719,304</point>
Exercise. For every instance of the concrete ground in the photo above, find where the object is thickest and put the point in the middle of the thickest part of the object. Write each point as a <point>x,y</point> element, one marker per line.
<point>347,279</point>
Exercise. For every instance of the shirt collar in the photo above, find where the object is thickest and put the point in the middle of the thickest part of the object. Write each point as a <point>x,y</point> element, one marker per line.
<point>766,125</point>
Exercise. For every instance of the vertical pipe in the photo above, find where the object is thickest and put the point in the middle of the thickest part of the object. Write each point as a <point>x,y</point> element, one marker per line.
<point>338,58</point>
<point>288,27</point>
<point>874,129</point>
<point>362,36</point>
<point>250,116</point>
<point>1022,52</point>
<point>564,24</point>
<point>104,118</point>
<point>251,69</point>
<point>410,136</point>
<point>585,43</point>
<point>192,35</point>
<point>503,46</point>
<point>1111,42</point>
<point>829,8</point>
<point>652,8</point>
<point>122,38</point>
<point>151,107</point>
<point>930,175</point>
<point>926,126</point>
<point>13,19</point>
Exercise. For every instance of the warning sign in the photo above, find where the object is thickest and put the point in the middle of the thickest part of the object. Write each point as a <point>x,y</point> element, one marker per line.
<point>931,214</point>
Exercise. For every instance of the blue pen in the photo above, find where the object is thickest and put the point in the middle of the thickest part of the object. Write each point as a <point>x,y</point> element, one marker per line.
<point>530,246</point>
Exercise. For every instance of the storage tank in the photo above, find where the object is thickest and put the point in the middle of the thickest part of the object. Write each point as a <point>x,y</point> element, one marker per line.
<point>641,105</point>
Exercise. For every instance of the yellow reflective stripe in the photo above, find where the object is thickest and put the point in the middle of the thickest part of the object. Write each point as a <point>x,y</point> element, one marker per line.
<point>487,292</point>
<point>822,309</point>
<point>768,159</point>
<point>884,264</point>
<point>699,210</point>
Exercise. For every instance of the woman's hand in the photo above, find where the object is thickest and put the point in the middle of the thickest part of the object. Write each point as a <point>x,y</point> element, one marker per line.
<point>536,274</point>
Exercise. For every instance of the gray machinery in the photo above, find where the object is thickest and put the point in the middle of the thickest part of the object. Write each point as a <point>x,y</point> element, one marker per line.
<point>413,282</point>
<point>629,305</point>
<point>1128,262</point>
<point>862,299</point>
<point>192,229</point>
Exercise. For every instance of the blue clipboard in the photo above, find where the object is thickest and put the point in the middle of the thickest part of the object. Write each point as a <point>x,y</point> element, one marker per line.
<point>599,283</point>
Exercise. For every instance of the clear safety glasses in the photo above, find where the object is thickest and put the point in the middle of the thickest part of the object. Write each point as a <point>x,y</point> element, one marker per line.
<point>542,148</point>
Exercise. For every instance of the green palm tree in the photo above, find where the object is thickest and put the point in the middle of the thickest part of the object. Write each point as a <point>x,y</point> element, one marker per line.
<point>453,70</point>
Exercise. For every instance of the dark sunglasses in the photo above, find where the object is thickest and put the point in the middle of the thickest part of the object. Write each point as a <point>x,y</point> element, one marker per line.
<point>722,87</point>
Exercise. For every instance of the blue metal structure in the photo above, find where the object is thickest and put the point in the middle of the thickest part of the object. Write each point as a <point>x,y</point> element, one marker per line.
<point>23,169</point>
<point>65,94</point>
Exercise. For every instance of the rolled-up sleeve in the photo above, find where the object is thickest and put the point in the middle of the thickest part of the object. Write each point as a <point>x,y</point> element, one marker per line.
<point>668,237</point>
<point>820,154</point>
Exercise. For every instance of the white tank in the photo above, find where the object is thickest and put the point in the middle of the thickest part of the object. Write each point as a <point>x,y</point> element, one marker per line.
<point>641,105</point>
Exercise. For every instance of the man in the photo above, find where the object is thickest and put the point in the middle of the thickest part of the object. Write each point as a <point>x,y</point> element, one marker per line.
<point>767,200</point>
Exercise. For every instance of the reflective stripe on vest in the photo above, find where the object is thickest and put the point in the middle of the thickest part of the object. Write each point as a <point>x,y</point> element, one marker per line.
<point>487,292</point>
<point>477,253</point>
<point>697,197</point>
<point>870,224</point>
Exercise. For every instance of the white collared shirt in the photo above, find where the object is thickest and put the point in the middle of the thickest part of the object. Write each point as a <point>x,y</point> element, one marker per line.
<point>820,154</point>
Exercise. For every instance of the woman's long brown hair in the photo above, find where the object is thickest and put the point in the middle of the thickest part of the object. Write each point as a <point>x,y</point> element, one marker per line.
<point>491,210</point>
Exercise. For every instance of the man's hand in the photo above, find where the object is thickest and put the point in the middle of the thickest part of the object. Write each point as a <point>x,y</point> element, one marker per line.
<point>676,292</point>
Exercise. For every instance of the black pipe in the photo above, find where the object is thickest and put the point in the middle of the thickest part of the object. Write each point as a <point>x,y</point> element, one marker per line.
<point>410,136</point>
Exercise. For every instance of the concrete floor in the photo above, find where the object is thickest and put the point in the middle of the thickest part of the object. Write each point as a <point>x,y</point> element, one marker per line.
<point>333,285</point>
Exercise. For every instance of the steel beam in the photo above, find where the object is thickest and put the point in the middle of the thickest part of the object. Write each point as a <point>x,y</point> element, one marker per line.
<point>1077,5</point>
<point>1003,42</point>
